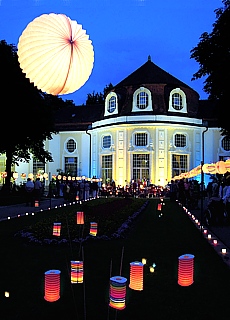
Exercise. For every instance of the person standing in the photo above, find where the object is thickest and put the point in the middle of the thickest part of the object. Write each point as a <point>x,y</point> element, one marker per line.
<point>37,190</point>
<point>29,187</point>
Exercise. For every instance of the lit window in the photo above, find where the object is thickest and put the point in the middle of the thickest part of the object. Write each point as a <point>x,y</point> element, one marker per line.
<point>140,139</point>
<point>112,104</point>
<point>225,143</point>
<point>140,166</point>
<point>142,100</point>
<point>71,145</point>
<point>180,140</point>
<point>71,166</point>
<point>106,142</point>
<point>107,168</point>
<point>177,101</point>
<point>179,164</point>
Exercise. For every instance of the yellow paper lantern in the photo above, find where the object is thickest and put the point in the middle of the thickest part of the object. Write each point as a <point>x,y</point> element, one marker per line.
<point>56,54</point>
<point>221,167</point>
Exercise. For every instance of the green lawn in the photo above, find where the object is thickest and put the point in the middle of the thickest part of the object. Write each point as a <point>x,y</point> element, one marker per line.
<point>161,240</point>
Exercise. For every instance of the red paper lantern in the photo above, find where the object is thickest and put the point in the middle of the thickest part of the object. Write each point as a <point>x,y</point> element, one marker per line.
<point>185,270</point>
<point>93,229</point>
<point>159,206</point>
<point>117,292</point>
<point>136,275</point>
<point>80,217</point>
<point>77,272</point>
<point>57,229</point>
<point>52,285</point>
<point>36,203</point>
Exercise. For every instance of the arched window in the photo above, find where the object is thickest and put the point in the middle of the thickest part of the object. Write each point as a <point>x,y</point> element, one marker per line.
<point>112,104</point>
<point>142,100</point>
<point>177,101</point>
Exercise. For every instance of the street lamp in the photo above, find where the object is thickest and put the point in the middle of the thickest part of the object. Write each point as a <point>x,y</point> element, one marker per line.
<point>205,123</point>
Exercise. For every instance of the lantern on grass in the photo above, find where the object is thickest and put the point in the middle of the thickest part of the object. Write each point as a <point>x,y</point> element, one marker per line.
<point>77,272</point>
<point>52,285</point>
<point>57,229</point>
<point>56,54</point>
<point>117,292</point>
<point>80,217</point>
<point>136,275</point>
<point>36,203</point>
<point>159,206</point>
<point>185,270</point>
<point>93,229</point>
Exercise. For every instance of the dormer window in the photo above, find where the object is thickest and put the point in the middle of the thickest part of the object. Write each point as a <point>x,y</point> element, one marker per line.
<point>142,100</point>
<point>111,104</point>
<point>177,101</point>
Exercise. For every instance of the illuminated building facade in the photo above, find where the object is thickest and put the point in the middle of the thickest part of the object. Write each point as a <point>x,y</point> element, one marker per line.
<point>149,128</point>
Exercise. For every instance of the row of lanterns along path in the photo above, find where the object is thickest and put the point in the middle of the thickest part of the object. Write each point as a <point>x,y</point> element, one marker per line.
<point>118,284</point>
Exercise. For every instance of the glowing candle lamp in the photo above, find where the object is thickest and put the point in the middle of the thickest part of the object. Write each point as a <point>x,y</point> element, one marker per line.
<point>7,294</point>
<point>36,203</point>
<point>52,285</point>
<point>215,242</point>
<point>57,229</point>
<point>117,292</point>
<point>136,275</point>
<point>224,250</point>
<point>209,236</point>
<point>185,270</point>
<point>93,229</point>
<point>77,272</point>
<point>144,261</point>
<point>80,217</point>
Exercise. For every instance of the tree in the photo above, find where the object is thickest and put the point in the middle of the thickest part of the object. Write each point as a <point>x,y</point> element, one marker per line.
<point>213,55</point>
<point>98,98</point>
<point>27,114</point>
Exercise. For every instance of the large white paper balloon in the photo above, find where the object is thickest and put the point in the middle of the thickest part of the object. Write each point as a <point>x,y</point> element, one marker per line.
<point>56,54</point>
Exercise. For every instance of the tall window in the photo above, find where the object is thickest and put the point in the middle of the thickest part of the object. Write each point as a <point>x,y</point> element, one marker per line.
<point>71,145</point>
<point>180,140</point>
<point>225,143</point>
<point>112,104</point>
<point>142,100</point>
<point>140,139</point>
<point>38,167</point>
<point>107,168</point>
<point>179,164</point>
<point>177,101</point>
<point>106,142</point>
<point>71,166</point>
<point>140,166</point>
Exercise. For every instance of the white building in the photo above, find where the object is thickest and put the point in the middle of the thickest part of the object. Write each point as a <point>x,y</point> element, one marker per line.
<point>150,126</point>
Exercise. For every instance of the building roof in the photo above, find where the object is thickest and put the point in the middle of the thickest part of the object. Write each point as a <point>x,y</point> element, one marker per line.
<point>150,73</point>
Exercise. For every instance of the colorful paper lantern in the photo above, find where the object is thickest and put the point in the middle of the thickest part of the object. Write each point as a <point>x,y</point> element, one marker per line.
<point>52,285</point>
<point>117,292</point>
<point>80,217</point>
<point>136,275</point>
<point>57,229</point>
<point>159,206</point>
<point>77,272</point>
<point>56,54</point>
<point>185,270</point>
<point>93,229</point>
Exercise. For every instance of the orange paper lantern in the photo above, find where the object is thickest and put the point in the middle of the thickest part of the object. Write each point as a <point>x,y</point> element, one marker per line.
<point>117,292</point>
<point>185,270</point>
<point>136,275</point>
<point>159,206</point>
<point>77,272</point>
<point>57,229</point>
<point>93,229</point>
<point>80,217</point>
<point>52,285</point>
<point>55,54</point>
<point>221,167</point>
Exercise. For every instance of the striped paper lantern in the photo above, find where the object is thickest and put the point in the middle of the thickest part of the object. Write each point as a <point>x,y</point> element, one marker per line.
<point>77,272</point>
<point>185,270</point>
<point>117,292</point>
<point>52,285</point>
<point>57,229</point>
<point>80,217</point>
<point>93,229</point>
<point>136,275</point>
